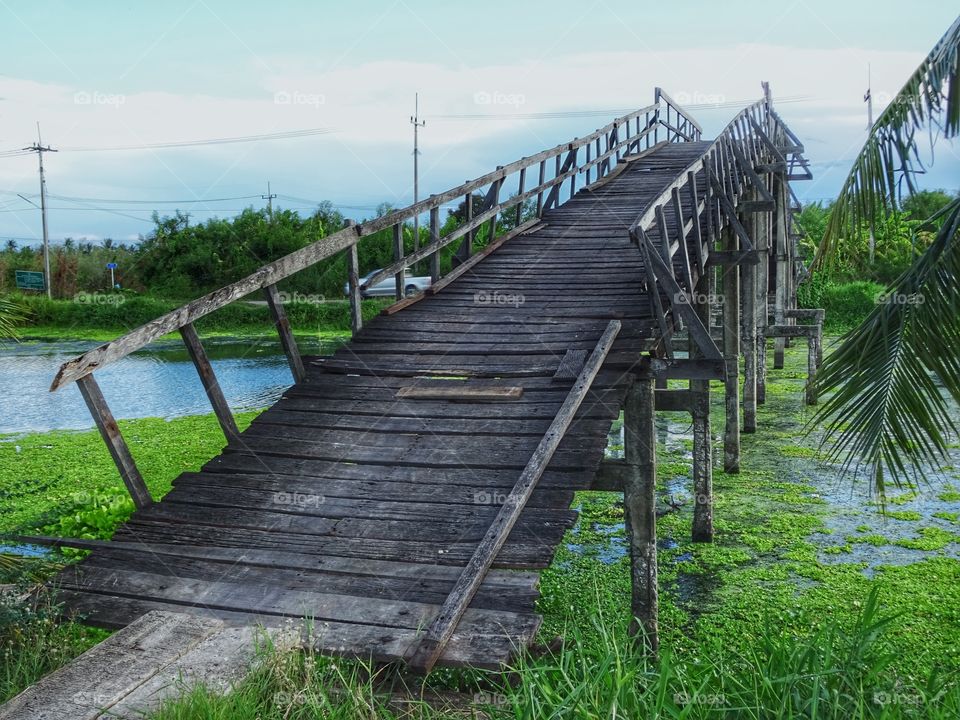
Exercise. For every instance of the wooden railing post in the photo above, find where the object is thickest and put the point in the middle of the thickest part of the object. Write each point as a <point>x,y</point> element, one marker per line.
<point>542,179</point>
<point>492,200</point>
<point>400,277</point>
<point>218,400</point>
<point>466,245</point>
<point>520,184</point>
<point>435,237</point>
<point>353,285</point>
<point>110,432</point>
<point>287,341</point>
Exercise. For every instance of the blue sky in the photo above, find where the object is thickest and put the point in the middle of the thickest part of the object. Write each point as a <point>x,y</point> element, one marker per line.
<point>105,74</point>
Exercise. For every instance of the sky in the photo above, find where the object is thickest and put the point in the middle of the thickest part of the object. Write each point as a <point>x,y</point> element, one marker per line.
<point>102,75</point>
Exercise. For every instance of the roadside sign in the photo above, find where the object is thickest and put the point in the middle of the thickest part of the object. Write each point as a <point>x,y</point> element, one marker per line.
<point>111,266</point>
<point>30,280</point>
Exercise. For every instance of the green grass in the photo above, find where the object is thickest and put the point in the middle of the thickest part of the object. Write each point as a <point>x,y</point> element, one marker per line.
<point>49,477</point>
<point>34,642</point>
<point>69,319</point>
<point>762,620</point>
<point>829,670</point>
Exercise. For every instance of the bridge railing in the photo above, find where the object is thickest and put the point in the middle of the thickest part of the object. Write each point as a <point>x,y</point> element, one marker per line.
<point>755,140</point>
<point>680,124</point>
<point>556,171</point>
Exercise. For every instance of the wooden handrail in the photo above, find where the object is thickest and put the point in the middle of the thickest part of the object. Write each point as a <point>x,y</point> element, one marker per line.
<point>172,321</point>
<point>425,654</point>
<point>324,248</point>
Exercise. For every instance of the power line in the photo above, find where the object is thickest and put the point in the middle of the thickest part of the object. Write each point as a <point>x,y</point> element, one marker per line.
<point>285,135</point>
<point>154,202</point>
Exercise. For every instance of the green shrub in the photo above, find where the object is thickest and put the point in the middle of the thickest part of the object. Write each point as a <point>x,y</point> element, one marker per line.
<point>846,304</point>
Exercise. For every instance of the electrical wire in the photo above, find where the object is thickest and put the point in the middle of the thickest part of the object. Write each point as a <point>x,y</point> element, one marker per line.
<point>285,135</point>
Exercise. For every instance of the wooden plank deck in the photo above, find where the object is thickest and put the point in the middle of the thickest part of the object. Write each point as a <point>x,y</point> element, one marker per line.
<point>355,501</point>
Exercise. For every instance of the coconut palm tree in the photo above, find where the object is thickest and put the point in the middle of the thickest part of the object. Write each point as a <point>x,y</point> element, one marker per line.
<point>888,376</point>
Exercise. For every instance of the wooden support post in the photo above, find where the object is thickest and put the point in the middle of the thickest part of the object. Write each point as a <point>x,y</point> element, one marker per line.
<point>353,285</point>
<point>210,385</point>
<point>783,265</point>
<point>749,331</point>
<point>110,433</point>
<point>287,341</point>
<point>400,278</point>
<point>434,238</point>
<point>814,343</point>
<point>731,355</point>
<point>639,501</point>
<point>702,436</point>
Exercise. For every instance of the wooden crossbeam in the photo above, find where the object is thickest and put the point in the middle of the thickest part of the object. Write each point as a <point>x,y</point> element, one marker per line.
<point>426,653</point>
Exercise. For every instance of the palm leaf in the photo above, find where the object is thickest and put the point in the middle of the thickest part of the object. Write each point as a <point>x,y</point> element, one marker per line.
<point>887,409</point>
<point>890,159</point>
<point>11,315</point>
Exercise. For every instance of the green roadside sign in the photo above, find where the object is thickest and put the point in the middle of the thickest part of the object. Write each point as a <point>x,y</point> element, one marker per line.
<point>30,280</point>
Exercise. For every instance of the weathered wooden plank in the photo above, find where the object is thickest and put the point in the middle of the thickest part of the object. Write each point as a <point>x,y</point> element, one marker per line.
<point>111,670</point>
<point>458,391</point>
<point>571,365</point>
<point>481,649</point>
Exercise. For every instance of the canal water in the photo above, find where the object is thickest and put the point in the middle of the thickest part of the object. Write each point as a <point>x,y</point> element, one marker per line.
<point>158,381</point>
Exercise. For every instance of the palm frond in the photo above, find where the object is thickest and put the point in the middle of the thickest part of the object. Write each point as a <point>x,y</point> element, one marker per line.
<point>890,158</point>
<point>888,409</point>
<point>11,315</point>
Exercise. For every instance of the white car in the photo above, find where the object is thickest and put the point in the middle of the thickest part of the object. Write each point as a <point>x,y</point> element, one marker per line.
<point>388,286</point>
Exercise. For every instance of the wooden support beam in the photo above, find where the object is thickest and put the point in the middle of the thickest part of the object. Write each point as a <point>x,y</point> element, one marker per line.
<point>674,400</point>
<point>110,432</point>
<point>287,341</point>
<point>201,362</point>
<point>425,653</point>
<point>681,368</point>
<point>611,476</point>
<point>639,501</point>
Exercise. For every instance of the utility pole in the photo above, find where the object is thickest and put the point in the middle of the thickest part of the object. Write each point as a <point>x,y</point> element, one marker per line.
<point>269,198</point>
<point>417,124</point>
<point>40,149</point>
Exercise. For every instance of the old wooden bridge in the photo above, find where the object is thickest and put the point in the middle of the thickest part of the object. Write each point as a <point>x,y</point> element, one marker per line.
<point>404,492</point>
